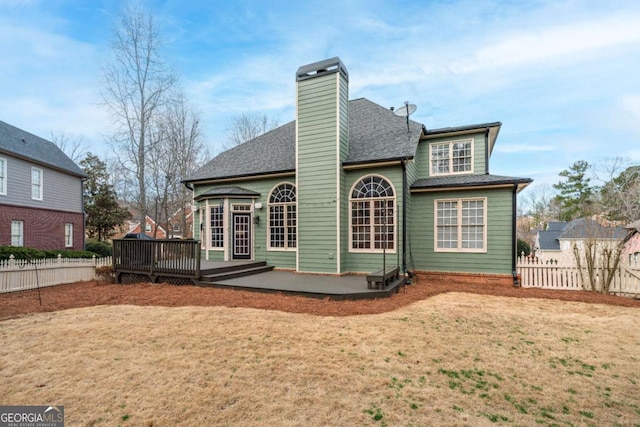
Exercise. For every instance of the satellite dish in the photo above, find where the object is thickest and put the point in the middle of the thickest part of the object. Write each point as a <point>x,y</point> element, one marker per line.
<point>406,111</point>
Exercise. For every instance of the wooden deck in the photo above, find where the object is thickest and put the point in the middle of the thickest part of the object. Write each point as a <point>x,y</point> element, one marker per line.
<point>168,260</point>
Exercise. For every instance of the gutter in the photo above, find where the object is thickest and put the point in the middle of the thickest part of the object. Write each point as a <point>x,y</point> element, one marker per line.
<point>360,164</point>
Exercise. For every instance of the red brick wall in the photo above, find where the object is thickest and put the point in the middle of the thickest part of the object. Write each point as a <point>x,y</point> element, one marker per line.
<point>43,229</point>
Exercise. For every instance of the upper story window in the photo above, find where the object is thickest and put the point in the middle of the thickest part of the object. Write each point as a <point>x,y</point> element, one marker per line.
<point>3,176</point>
<point>452,157</point>
<point>372,218</point>
<point>36,183</point>
<point>283,217</point>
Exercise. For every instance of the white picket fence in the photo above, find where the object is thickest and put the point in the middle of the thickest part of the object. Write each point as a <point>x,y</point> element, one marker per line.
<point>549,274</point>
<point>20,275</point>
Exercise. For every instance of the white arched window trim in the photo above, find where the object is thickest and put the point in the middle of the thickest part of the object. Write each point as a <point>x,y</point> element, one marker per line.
<point>282,233</point>
<point>367,214</point>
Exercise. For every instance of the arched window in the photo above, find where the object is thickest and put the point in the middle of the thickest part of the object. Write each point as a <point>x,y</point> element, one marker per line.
<point>373,206</point>
<point>282,217</point>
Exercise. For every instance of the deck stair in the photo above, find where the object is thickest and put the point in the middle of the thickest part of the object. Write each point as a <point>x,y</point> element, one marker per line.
<point>214,275</point>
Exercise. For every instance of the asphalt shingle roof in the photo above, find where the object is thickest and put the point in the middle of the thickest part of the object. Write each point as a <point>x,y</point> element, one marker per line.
<point>30,147</point>
<point>466,181</point>
<point>375,134</point>
<point>548,240</point>
<point>584,228</point>
<point>228,191</point>
<point>581,228</point>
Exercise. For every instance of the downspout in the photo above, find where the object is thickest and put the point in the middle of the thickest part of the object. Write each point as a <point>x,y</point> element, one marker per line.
<point>514,247</point>
<point>486,151</point>
<point>404,221</point>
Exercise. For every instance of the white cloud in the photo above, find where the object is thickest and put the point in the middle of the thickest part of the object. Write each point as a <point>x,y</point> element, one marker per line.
<point>524,148</point>
<point>554,43</point>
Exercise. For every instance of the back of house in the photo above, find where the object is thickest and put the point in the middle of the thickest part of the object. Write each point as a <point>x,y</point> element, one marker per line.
<point>350,186</point>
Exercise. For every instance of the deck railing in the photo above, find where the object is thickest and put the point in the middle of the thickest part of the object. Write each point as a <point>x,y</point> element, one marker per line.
<point>154,258</point>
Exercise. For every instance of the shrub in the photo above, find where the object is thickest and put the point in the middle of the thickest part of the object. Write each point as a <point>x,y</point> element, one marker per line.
<point>69,254</point>
<point>20,252</point>
<point>101,248</point>
<point>523,247</point>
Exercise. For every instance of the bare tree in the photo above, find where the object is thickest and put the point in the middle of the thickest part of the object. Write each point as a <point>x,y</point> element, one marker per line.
<point>72,146</point>
<point>539,202</point>
<point>247,126</point>
<point>620,189</point>
<point>597,251</point>
<point>135,86</point>
<point>179,152</point>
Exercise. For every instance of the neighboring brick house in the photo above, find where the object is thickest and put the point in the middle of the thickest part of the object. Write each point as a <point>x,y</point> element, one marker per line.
<point>41,201</point>
<point>350,182</point>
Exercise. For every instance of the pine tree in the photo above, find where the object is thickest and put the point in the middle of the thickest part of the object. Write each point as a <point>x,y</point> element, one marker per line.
<point>576,193</point>
<point>100,200</point>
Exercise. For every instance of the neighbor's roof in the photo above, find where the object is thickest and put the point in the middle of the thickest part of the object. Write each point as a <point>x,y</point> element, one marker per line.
<point>584,228</point>
<point>556,225</point>
<point>457,181</point>
<point>548,240</point>
<point>27,146</point>
<point>376,134</point>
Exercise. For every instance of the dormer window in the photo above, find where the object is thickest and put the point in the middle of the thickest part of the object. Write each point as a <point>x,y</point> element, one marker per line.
<point>451,157</point>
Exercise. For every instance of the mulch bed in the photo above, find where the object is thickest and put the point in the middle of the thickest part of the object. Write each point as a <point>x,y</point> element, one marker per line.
<point>86,294</point>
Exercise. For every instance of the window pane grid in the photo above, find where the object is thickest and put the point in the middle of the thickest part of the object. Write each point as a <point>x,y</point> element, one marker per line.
<point>276,226</point>
<point>3,176</point>
<point>36,183</point>
<point>68,235</point>
<point>373,214</point>
<point>282,217</point>
<point>451,157</point>
<point>217,227</point>
<point>17,228</point>
<point>460,224</point>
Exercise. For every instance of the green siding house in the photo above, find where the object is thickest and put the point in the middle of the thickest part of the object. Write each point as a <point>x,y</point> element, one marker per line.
<point>349,185</point>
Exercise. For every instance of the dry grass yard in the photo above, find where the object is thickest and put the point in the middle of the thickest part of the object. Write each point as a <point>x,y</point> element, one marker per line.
<point>452,359</point>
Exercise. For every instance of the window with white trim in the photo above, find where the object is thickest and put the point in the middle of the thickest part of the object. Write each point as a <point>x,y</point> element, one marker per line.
<point>461,225</point>
<point>3,176</point>
<point>216,223</point>
<point>17,233</point>
<point>283,217</point>
<point>68,235</point>
<point>36,183</point>
<point>372,216</point>
<point>452,157</point>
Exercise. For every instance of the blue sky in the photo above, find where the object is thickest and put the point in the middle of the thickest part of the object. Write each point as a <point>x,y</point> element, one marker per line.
<point>562,76</point>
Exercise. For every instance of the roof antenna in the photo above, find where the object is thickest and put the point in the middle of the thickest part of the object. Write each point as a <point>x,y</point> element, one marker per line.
<point>406,111</point>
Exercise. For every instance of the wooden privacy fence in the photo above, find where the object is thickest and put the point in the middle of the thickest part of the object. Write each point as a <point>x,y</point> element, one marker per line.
<point>550,274</point>
<point>20,274</point>
<point>156,258</point>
